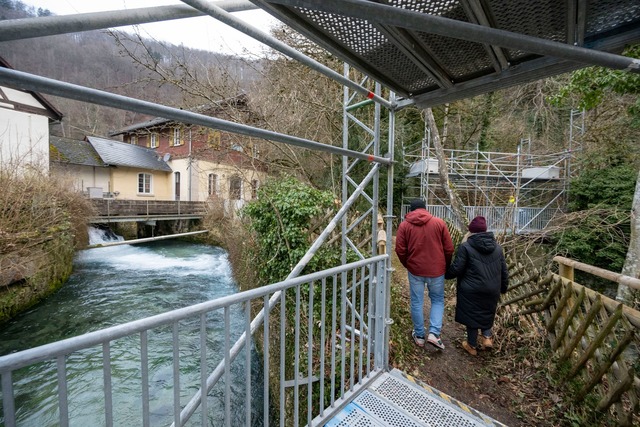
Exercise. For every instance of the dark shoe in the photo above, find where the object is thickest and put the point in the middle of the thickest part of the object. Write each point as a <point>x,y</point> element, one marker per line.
<point>435,341</point>
<point>472,351</point>
<point>486,343</point>
<point>418,340</point>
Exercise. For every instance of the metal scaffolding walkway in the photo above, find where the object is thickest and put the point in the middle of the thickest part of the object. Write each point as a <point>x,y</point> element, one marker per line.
<point>420,53</point>
<point>396,399</point>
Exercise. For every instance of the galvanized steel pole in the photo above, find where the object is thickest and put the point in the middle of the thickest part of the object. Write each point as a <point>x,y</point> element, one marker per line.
<point>21,80</point>
<point>18,29</point>
<point>389,227</point>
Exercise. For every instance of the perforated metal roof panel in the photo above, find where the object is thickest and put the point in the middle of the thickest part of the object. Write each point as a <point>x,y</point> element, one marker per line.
<point>436,51</point>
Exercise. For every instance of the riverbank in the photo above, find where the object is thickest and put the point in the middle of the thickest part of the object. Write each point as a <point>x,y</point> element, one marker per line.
<point>41,225</point>
<point>29,276</point>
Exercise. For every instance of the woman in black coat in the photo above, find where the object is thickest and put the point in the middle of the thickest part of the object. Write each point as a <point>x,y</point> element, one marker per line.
<point>482,276</point>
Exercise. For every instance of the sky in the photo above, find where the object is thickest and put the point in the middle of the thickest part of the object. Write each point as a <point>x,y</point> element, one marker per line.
<point>204,32</point>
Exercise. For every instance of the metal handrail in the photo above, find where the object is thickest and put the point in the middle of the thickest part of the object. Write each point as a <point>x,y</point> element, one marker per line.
<point>367,272</point>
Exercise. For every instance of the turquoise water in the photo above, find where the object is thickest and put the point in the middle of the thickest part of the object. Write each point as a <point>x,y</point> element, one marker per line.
<point>118,284</point>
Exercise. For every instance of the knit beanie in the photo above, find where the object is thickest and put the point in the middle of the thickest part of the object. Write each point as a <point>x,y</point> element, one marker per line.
<point>417,204</point>
<point>478,225</point>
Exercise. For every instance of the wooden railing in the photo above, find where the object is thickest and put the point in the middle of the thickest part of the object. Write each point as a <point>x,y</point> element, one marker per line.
<point>594,338</point>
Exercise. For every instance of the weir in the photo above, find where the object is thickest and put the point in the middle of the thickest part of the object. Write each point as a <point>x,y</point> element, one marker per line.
<point>145,240</point>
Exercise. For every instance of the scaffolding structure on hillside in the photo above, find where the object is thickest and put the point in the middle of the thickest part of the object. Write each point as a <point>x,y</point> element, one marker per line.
<point>517,192</point>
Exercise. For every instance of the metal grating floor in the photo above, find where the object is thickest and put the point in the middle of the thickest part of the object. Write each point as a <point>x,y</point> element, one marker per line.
<point>397,400</point>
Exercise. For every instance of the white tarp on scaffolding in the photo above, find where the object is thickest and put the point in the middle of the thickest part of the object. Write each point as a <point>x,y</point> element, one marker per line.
<point>546,172</point>
<point>429,165</point>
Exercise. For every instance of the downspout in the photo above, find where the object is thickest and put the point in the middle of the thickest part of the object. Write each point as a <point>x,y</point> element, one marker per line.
<point>189,167</point>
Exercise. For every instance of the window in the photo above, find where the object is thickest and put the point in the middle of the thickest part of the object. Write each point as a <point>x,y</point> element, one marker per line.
<point>144,183</point>
<point>153,140</point>
<point>213,184</point>
<point>177,136</point>
<point>133,139</point>
<point>254,188</point>
<point>235,188</point>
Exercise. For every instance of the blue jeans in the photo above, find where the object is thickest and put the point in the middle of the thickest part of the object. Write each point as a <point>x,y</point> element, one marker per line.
<point>435,286</point>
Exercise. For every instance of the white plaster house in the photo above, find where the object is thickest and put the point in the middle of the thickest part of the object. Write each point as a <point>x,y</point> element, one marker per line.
<point>25,117</point>
<point>78,165</point>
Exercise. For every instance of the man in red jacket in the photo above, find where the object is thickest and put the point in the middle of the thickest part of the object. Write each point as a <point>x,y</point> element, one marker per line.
<point>424,247</point>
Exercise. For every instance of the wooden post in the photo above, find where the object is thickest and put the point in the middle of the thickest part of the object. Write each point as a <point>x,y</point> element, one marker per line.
<point>524,296</point>
<point>568,290</point>
<point>566,271</point>
<point>552,293</point>
<point>632,282</point>
<point>616,392</point>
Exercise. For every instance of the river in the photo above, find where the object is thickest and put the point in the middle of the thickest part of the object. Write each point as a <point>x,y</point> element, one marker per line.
<point>114,285</point>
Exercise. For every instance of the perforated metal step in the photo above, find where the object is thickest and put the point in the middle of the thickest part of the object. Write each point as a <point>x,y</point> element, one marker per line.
<point>396,400</point>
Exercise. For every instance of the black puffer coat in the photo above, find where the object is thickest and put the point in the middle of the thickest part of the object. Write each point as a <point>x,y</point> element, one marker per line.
<point>482,275</point>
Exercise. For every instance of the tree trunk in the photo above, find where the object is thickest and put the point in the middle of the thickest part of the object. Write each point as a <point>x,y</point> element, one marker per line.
<point>630,268</point>
<point>456,204</point>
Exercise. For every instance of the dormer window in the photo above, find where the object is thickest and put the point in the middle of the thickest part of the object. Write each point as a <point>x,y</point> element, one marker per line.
<point>214,139</point>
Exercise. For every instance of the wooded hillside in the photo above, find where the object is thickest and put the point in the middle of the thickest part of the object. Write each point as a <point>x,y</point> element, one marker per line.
<point>99,59</point>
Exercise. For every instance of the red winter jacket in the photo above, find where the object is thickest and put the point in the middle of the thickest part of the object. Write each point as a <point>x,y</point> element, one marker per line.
<point>423,244</point>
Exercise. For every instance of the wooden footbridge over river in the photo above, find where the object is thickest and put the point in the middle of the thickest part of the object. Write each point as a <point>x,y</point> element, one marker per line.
<point>120,210</point>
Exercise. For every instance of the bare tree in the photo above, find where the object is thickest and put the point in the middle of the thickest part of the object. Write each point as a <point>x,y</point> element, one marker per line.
<point>632,261</point>
<point>456,203</point>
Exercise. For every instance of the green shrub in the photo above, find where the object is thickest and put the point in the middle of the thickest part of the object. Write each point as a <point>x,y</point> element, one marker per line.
<point>598,229</point>
<point>286,217</point>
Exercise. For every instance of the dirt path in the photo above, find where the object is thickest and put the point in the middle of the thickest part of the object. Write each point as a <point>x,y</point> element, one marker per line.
<point>482,382</point>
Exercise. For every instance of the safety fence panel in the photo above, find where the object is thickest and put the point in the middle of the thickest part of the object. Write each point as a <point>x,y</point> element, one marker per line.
<point>500,219</point>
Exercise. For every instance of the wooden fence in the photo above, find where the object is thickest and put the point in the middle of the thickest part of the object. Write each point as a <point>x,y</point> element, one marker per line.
<point>594,338</point>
